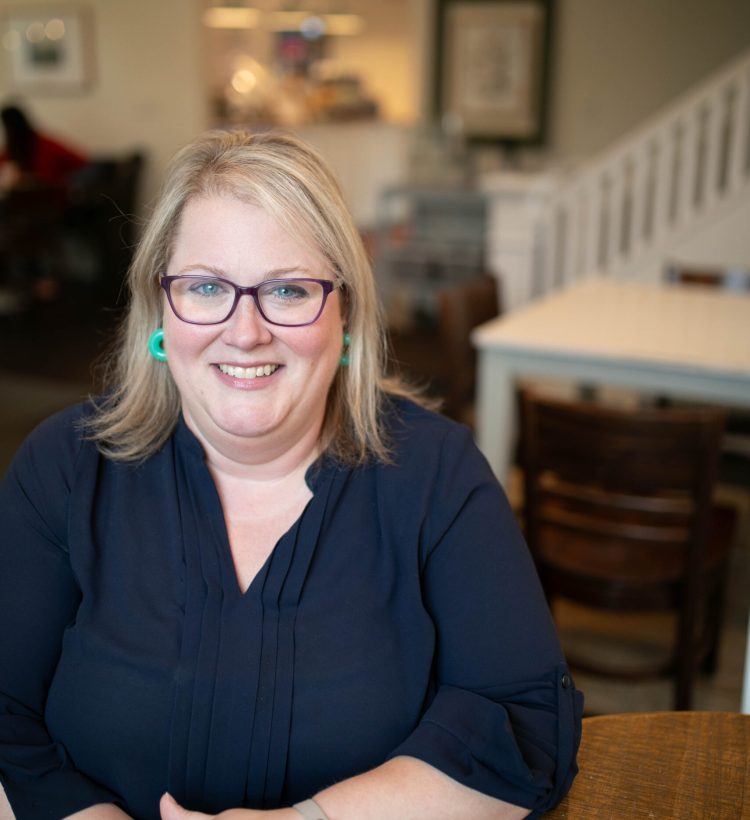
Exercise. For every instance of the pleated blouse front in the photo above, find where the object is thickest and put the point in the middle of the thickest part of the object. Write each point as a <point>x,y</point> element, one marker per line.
<point>230,728</point>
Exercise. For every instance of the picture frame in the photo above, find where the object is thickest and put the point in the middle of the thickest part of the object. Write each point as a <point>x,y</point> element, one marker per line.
<point>492,65</point>
<point>48,49</point>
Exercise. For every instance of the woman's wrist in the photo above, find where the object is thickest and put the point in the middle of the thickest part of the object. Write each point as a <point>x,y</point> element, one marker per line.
<point>310,810</point>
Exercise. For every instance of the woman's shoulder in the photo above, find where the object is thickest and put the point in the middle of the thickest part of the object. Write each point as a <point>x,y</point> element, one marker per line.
<point>56,440</point>
<point>67,423</point>
<point>413,425</point>
<point>424,442</point>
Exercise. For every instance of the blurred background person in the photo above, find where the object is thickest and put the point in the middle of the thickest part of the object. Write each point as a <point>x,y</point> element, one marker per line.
<point>32,157</point>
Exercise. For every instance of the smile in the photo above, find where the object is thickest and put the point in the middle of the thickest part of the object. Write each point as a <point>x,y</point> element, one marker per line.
<point>248,372</point>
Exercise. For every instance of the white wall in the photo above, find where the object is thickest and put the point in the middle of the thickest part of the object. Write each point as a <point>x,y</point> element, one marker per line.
<point>148,88</point>
<point>616,62</point>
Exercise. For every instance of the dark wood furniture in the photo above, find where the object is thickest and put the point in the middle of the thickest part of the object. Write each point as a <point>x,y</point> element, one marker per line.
<point>31,246</point>
<point>687,765</point>
<point>101,222</point>
<point>79,235</point>
<point>707,276</point>
<point>461,308</point>
<point>619,516</point>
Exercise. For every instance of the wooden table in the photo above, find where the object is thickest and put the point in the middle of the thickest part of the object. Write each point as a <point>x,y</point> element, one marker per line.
<point>662,765</point>
<point>680,341</point>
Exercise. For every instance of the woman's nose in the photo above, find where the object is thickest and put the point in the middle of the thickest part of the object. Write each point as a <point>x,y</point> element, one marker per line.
<point>246,327</point>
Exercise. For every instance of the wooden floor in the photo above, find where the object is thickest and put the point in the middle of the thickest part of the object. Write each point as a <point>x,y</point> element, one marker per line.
<point>47,360</point>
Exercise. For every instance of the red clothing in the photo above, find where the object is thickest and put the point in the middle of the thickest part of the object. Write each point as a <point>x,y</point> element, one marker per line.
<point>52,162</point>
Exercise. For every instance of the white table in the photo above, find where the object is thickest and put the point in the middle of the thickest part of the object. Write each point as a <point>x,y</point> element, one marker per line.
<point>673,340</point>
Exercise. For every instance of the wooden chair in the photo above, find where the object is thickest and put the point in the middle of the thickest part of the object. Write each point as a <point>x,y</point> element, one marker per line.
<point>737,279</point>
<point>687,765</point>
<point>461,308</point>
<point>619,516</point>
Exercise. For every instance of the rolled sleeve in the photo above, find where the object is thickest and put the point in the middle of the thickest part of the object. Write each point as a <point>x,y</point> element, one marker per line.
<point>516,743</point>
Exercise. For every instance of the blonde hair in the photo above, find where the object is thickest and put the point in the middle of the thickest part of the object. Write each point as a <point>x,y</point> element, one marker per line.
<point>284,176</point>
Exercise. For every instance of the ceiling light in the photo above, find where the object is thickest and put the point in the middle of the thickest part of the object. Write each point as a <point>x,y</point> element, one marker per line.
<point>336,24</point>
<point>343,24</point>
<point>231,17</point>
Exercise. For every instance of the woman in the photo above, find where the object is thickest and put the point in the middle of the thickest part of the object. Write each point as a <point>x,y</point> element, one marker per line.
<point>258,575</point>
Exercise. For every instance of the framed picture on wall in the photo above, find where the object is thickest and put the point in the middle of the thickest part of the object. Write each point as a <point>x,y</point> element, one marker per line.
<point>48,50</point>
<point>492,66</point>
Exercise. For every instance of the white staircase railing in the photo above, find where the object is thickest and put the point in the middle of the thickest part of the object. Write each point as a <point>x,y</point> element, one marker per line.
<point>615,213</point>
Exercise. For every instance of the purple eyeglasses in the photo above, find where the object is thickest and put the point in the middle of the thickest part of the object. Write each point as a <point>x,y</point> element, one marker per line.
<point>211,300</point>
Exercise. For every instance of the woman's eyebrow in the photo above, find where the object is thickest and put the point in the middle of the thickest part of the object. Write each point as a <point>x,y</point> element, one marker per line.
<point>275,273</point>
<point>199,267</point>
<point>282,272</point>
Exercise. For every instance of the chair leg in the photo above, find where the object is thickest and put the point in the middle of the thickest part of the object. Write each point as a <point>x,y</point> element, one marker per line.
<point>685,660</point>
<point>715,615</point>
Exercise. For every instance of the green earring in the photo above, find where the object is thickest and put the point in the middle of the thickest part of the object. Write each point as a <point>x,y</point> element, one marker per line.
<point>156,345</point>
<point>345,355</point>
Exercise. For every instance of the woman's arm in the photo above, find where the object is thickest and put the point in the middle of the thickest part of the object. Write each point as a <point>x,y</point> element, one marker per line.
<point>401,789</point>
<point>102,811</point>
<point>505,718</point>
<point>409,789</point>
<point>38,600</point>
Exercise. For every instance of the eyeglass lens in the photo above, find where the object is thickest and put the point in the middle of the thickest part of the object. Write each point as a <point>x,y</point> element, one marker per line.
<point>208,300</point>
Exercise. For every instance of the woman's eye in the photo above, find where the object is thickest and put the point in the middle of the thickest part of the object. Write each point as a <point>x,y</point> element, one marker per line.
<point>289,292</point>
<point>209,288</point>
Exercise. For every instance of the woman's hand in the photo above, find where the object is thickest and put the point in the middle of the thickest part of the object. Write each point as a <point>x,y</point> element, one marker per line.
<point>172,810</point>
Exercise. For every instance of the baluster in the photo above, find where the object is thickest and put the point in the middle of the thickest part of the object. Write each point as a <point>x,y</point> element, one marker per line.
<point>626,233</point>
<point>666,159</point>
<point>604,223</point>
<point>583,229</point>
<point>594,219</point>
<point>544,251</point>
<point>700,179</point>
<point>726,126</point>
<point>739,151</point>
<point>714,119</point>
<point>677,180</point>
<point>573,234</point>
<point>641,209</point>
<point>616,213</point>
<point>689,176</point>
<point>561,270</point>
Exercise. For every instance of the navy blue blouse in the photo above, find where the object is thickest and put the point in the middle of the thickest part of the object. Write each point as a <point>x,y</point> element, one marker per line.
<point>400,615</point>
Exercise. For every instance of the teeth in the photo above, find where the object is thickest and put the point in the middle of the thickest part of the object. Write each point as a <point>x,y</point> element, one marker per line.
<point>248,372</point>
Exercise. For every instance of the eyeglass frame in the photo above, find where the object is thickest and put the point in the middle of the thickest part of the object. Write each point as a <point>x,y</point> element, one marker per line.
<point>250,290</point>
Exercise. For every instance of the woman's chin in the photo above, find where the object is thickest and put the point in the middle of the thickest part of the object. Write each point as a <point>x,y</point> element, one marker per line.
<point>246,428</point>
<point>226,424</point>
